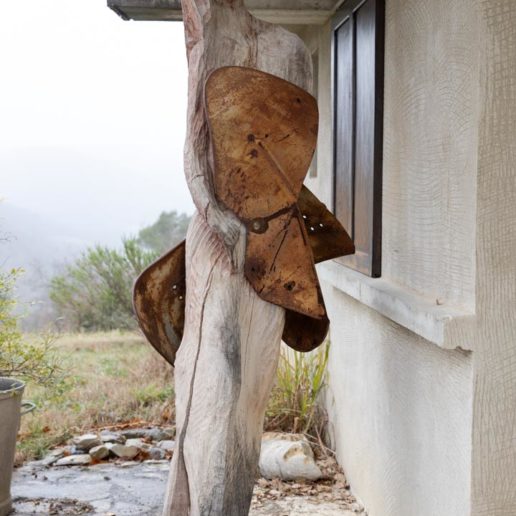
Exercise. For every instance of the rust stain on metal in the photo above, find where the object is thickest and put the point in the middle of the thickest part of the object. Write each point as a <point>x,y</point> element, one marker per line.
<point>159,302</point>
<point>280,267</point>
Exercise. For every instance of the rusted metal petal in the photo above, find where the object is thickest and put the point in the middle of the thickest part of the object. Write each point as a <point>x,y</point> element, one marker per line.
<point>280,267</point>
<point>160,309</point>
<point>264,132</point>
<point>159,302</point>
<point>328,239</point>
<point>304,333</point>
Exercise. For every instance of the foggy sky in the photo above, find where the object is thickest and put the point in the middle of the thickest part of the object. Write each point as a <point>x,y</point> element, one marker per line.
<point>92,116</point>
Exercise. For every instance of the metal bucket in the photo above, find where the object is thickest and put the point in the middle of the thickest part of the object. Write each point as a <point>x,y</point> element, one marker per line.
<point>11,392</point>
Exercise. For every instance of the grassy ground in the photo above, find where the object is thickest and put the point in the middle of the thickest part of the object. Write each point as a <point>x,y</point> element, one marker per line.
<point>117,378</point>
<point>113,378</point>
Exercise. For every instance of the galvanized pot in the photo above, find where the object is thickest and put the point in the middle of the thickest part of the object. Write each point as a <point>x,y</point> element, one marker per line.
<point>11,392</point>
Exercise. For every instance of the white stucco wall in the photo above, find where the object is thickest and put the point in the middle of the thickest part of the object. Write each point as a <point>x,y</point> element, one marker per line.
<point>401,408</point>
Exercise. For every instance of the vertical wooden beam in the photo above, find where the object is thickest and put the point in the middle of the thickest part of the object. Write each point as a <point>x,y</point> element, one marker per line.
<point>228,357</point>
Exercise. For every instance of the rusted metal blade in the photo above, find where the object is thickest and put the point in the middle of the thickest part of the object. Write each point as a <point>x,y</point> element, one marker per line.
<point>328,239</point>
<point>264,132</point>
<point>159,302</point>
<point>160,309</point>
<point>304,333</point>
<point>280,267</point>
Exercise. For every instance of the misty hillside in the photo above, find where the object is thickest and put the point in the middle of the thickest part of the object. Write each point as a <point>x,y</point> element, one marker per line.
<point>33,239</point>
<point>40,246</point>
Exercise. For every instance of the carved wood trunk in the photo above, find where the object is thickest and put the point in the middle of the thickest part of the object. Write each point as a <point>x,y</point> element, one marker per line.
<point>226,364</point>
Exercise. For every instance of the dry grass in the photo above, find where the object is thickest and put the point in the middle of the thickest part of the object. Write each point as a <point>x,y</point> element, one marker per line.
<point>113,377</point>
<point>117,377</point>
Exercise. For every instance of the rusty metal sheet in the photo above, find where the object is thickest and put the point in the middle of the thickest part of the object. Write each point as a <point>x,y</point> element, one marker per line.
<point>280,267</point>
<point>160,299</point>
<point>159,302</point>
<point>328,239</point>
<point>303,333</point>
<point>264,132</point>
<point>160,309</point>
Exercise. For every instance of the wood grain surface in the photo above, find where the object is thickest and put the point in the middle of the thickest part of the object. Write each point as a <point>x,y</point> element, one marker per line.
<point>227,360</point>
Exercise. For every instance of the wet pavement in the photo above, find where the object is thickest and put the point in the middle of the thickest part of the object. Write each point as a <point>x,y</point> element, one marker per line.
<point>124,489</point>
<point>130,488</point>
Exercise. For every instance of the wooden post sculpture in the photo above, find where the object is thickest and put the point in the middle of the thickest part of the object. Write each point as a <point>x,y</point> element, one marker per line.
<point>218,307</point>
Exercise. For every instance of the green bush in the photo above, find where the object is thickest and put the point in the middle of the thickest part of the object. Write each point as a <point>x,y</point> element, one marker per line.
<point>34,361</point>
<point>168,231</point>
<point>95,292</point>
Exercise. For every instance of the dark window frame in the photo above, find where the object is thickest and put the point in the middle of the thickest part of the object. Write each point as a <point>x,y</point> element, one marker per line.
<point>368,262</point>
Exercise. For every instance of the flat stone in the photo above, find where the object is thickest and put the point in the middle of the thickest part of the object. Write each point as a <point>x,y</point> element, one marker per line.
<point>134,433</point>
<point>86,442</point>
<point>123,451</point>
<point>111,437</point>
<point>74,460</point>
<point>157,461</point>
<point>99,452</point>
<point>160,434</point>
<point>156,453</point>
<point>167,445</point>
<point>137,443</point>
<point>53,457</point>
<point>288,460</point>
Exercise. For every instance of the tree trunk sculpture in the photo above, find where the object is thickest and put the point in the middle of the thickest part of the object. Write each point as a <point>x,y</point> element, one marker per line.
<point>218,307</point>
<point>226,364</point>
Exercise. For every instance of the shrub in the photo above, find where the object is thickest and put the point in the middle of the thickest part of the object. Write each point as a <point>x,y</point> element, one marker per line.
<point>33,361</point>
<point>168,231</point>
<point>95,292</point>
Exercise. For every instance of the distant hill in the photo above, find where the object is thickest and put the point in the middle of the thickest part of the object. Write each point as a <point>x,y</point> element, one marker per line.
<point>40,246</point>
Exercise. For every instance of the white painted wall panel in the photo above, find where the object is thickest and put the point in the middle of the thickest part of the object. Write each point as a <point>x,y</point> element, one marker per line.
<point>400,412</point>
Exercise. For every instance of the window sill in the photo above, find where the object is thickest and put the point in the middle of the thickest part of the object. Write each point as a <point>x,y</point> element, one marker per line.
<point>446,326</point>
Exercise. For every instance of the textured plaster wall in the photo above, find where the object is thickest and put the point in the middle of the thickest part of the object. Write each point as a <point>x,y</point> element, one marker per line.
<point>400,412</point>
<point>430,147</point>
<point>400,407</point>
<point>494,431</point>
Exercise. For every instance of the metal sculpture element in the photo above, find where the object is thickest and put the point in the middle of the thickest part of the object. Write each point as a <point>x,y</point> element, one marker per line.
<point>263,130</point>
<point>159,302</point>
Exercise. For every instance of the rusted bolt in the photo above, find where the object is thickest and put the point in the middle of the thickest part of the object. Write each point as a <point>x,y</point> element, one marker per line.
<point>259,226</point>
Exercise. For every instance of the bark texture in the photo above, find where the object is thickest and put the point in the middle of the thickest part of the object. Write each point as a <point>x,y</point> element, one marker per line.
<point>227,360</point>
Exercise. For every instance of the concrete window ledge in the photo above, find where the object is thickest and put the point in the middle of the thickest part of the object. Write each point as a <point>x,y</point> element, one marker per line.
<point>446,326</point>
